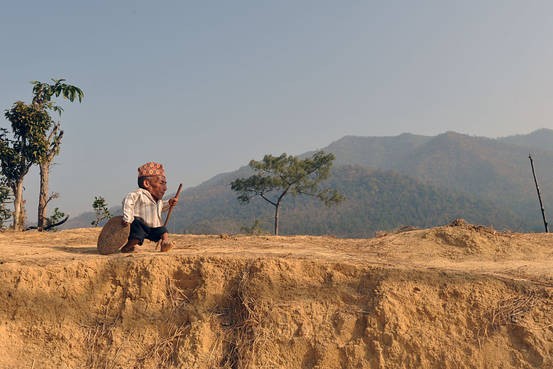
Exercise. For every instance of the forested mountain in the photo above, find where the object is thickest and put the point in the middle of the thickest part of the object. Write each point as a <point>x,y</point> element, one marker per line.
<point>540,139</point>
<point>391,182</point>
<point>375,152</point>
<point>495,169</point>
<point>375,200</point>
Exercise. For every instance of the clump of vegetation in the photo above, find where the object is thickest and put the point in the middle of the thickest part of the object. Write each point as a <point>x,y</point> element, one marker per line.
<point>101,210</point>
<point>276,177</point>
<point>55,220</point>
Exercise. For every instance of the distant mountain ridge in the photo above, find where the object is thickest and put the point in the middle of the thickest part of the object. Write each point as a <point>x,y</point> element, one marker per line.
<point>391,182</point>
<point>375,152</point>
<point>540,139</point>
<point>496,169</point>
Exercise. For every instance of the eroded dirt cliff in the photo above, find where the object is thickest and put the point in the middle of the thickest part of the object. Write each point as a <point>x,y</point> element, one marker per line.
<point>458,296</point>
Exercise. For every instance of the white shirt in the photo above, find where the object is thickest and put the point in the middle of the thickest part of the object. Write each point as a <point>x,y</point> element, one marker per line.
<point>141,204</point>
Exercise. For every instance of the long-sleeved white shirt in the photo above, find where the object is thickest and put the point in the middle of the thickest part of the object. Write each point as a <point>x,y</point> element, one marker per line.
<point>141,204</point>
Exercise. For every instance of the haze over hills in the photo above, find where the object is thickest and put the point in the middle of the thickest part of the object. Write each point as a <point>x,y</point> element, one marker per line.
<point>375,200</point>
<point>539,139</point>
<point>391,182</point>
<point>494,169</point>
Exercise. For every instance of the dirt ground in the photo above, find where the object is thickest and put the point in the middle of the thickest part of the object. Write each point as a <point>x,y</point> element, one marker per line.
<point>457,296</point>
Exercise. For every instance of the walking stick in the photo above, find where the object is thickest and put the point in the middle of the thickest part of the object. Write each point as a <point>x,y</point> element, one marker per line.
<point>171,208</point>
<point>169,213</point>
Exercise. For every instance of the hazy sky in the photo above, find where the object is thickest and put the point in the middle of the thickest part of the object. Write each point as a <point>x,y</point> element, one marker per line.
<point>205,86</point>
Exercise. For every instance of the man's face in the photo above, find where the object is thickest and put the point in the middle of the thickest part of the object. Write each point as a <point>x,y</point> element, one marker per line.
<point>156,186</point>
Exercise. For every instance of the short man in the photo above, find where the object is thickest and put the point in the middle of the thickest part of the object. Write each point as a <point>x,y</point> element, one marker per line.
<point>142,208</point>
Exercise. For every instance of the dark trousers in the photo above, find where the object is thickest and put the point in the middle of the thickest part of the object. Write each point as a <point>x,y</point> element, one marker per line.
<point>140,231</point>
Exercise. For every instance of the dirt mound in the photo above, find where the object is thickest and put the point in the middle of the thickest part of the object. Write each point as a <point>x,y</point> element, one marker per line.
<point>458,296</point>
<point>471,239</point>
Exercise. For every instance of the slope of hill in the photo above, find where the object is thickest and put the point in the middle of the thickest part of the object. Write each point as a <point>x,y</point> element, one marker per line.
<point>476,165</point>
<point>541,139</point>
<point>458,296</point>
<point>487,181</point>
<point>375,152</point>
<point>375,200</point>
<point>494,169</point>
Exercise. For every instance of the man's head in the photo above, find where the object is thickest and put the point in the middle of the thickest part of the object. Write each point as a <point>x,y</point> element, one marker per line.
<point>155,185</point>
<point>151,177</point>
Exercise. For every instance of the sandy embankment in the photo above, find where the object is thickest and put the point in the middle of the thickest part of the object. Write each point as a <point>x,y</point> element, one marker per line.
<point>448,297</point>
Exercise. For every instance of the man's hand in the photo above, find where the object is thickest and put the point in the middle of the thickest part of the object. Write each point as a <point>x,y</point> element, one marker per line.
<point>124,224</point>
<point>173,201</point>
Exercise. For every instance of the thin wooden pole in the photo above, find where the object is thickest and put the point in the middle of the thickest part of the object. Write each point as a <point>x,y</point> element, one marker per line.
<point>171,208</point>
<point>158,244</point>
<point>539,194</point>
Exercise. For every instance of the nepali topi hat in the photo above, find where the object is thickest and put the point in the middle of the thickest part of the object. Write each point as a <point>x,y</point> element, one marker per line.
<point>151,169</point>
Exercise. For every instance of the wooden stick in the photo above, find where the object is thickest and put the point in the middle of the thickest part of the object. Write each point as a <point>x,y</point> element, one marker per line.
<point>158,244</point>
<point>539,195</point>
<point>171,208</point>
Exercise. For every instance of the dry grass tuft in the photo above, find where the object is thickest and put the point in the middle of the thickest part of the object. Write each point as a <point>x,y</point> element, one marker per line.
<point>512,310</point>
<point>101,353</point>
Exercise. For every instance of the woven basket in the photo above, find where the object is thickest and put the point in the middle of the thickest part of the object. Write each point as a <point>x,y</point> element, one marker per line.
<point>114,235</point>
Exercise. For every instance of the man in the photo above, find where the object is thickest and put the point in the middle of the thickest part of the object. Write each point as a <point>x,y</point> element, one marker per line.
<point>142,209</point>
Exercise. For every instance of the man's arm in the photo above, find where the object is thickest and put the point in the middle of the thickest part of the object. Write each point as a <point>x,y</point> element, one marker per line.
<point>128,208</point>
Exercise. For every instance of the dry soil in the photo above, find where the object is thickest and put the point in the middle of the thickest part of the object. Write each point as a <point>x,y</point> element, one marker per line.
<point>457,296</point>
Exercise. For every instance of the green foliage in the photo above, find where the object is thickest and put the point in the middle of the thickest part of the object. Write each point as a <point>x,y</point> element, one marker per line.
<point>21,148</point>
<point>49,135</point>
<point>52,136</point>
<point>53,219</point>
<point>287,174</point>
<point>43,93</point>
<point>34,139</point>
<point>27,143</point>
<point>101,210</point>
<point>276,176</point>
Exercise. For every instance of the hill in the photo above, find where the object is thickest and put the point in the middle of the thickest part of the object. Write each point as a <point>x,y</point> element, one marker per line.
<point>455,296</point>
<point>392,182</point>
<point>497,170</point>
<point>375,200</point>
<point>375,152</point>
<point>540,139</point>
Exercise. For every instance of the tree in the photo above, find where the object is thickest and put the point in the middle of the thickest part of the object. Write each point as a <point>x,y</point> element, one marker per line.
<point>20,150</point>
<point>5,198</point>
<point>275,177</point>
<point>101,209</point>
<point>51,139</point>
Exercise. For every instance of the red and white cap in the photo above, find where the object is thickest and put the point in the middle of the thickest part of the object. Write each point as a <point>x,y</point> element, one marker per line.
<point>151,169</point>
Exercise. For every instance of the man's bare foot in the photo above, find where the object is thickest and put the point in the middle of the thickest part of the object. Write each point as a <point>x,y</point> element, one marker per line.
<point>166,246</point>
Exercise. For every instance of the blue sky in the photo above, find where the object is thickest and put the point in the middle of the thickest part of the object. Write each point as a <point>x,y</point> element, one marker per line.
<point>203,87</point>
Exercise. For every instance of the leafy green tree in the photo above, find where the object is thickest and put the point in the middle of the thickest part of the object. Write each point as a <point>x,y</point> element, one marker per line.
<point>101,210</point>
<point>277,176</point>
<point>50,141</point>
<point>20,149</point>
<point>35,139</point>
